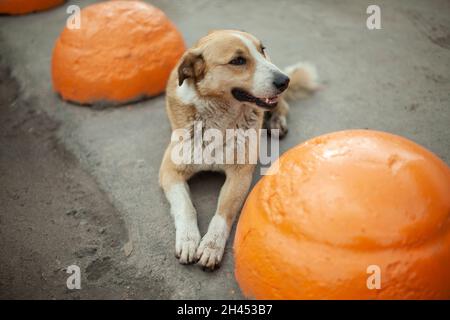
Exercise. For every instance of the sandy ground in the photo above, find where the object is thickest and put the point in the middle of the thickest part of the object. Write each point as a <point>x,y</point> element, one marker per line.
<point>78,184</point>
<point>54,215</point>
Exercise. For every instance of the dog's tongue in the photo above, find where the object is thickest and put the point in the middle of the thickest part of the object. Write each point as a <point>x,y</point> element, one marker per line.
<point>271,100</point>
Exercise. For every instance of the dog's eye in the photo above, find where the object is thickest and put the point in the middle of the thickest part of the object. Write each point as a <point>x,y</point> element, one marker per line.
<point>238,61</point>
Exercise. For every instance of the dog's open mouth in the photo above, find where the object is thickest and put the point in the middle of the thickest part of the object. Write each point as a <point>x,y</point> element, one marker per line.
<point>242,95</point>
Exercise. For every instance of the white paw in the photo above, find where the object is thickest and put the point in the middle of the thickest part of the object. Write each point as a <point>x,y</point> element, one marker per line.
<point>186,243</point>
<point>212,246</point>
<point>278,122</point>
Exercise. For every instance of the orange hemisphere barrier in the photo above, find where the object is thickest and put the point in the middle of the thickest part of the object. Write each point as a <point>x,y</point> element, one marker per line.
<point>123,51</point>
<point>341,206</point>
<point>27,6</point>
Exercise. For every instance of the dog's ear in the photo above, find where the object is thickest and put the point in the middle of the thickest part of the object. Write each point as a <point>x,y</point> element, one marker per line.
<point>192,66</point>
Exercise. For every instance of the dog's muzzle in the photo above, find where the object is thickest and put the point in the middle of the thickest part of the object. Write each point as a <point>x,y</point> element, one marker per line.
<point>244,96</point>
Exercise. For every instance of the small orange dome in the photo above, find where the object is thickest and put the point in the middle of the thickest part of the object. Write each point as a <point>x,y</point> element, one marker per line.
<point>123,51</point>
<point>339,204</point>
<point>27,6</point>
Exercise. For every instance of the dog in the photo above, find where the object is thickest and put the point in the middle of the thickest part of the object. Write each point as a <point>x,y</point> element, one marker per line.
<point>226,80</point>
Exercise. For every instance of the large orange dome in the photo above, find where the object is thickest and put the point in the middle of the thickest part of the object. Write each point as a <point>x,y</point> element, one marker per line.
<point>123,51</point>
<point>340,204</point>
<point>27,6</point>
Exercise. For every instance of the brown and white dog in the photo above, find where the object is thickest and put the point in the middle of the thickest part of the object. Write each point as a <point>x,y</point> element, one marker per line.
<point>226,81</point>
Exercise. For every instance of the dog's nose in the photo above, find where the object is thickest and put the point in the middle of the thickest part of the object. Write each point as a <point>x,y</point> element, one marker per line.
<point>281,82</point>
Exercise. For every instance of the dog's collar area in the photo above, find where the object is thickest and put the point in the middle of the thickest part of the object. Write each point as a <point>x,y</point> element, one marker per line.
<point>244,96</point>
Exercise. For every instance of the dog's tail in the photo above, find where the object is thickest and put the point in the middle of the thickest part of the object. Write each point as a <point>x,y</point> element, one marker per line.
<point>304,81</point>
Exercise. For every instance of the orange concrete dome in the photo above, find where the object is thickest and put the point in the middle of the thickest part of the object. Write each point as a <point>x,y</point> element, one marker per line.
<point>122,52</point>
<point>27,6</point>
<point>340,204</point>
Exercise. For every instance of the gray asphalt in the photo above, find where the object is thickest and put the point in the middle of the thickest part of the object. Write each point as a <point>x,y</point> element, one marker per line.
<point>396,79</point>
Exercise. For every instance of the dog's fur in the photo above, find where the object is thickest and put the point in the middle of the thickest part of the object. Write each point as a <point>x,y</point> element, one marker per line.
<point>202,87</point>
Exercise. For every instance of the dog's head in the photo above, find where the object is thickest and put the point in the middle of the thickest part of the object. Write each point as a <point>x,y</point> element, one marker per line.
<point>232,65</point>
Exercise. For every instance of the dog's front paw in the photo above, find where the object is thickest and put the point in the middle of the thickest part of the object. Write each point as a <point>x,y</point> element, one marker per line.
<point>210,250</point>
<point>212,246</point>
<point>186,243</point>
<point>278,122</point>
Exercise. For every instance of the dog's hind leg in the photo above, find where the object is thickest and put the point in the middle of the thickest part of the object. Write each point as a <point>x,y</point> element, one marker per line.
<point>303,82</point>
<point>184,214</point>
<point>277,119</point>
